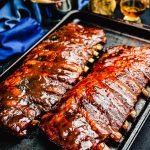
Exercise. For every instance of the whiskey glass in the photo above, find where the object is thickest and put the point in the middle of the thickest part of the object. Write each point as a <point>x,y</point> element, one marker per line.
<point>132,9</point>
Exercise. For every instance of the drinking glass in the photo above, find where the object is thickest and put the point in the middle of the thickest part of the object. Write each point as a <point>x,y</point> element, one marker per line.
<point>103,7</point>
<point>52,10</point>
<point>132,9</point>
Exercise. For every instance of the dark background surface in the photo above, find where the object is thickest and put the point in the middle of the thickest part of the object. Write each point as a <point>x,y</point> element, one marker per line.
<point>142,142</point>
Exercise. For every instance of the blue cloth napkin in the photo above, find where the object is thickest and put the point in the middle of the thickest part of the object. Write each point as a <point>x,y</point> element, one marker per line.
<point>20,25</point>
<point>19,38</point>
<point>18,29</point>
<point>14,10</point>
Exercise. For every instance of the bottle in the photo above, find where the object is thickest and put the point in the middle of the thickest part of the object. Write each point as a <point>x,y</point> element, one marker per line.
<point>103,7</point>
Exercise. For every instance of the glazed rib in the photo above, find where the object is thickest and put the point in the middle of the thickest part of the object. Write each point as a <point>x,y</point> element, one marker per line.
<point>51,69</point>
<point>138,64</point>
<point>104,99</point>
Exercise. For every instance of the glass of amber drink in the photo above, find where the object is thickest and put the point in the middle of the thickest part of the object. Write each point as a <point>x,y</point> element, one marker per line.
<point>132,9</point>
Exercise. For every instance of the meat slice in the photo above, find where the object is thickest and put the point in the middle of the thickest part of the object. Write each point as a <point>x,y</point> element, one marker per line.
<point>92,112</point>
<point>70,129</point>
<point>122,54</point>
<point>47,73</point>
<point>142,67</point>
<point>104,99</point>
<point>132,85</point>
<point>124,50</point>
<point>101,108</point>
<point>137,76</point>
<point>133,60</point>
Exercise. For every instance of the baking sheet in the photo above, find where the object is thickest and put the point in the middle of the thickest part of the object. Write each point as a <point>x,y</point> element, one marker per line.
<point>117,33</point>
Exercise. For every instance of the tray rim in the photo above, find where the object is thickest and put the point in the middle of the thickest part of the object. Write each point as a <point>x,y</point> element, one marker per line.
<point>140,123</point>
<point>145,114</point>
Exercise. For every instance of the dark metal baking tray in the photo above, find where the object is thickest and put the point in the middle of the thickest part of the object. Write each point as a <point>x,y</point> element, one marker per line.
<point>117,33</point>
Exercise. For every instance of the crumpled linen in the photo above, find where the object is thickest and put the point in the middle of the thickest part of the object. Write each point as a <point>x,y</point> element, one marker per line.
<point>19,27</point>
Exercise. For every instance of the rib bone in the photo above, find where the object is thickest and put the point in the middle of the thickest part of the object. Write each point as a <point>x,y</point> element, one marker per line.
<point>103,146</point>
<point>91,60</point>
<point>145,92</point>
<point>126,125</point>
<point>96,53</point>
<point>86,68</point>
<point>133,114</point>
<point>117,136</point>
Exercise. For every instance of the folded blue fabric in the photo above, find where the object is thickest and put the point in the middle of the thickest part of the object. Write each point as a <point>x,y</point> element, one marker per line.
<point>19,38</point>
<point>14,10</point>
<point>18,30</point>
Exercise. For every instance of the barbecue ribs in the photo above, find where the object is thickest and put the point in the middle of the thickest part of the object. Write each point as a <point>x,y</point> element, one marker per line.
<point>51,69</point>
<point>97,107</point>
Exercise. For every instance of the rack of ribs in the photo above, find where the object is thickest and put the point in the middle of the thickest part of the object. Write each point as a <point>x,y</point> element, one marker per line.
<point>138,73</point>
<point>51,69</point>
<point>96,109</point>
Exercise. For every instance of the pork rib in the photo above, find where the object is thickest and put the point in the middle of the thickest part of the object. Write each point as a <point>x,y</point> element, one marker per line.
<point>51,69</point>
<point>99,104</point>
